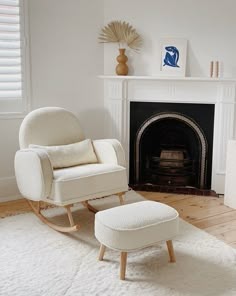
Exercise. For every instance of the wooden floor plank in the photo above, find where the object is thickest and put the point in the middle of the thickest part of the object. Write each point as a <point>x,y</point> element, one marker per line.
<point>222,228</point>
<point>228,236</point>
<point>201,201</point>
<point>193,213</point>
<point>163,197</point>
<point>215,220</point>
<point>14,207</point>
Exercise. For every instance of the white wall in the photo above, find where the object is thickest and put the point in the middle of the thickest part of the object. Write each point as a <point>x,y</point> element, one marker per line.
<point>65,60</point>
<point>209,26</point>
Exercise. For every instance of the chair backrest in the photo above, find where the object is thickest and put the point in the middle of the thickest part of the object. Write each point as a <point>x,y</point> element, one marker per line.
<point>50,126</point>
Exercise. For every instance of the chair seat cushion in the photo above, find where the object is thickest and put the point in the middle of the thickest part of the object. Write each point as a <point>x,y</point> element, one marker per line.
<point>88,181</point>
<point>136,225</point>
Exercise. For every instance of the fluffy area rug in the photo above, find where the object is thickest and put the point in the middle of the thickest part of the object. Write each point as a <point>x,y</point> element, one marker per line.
<point>38,261</point>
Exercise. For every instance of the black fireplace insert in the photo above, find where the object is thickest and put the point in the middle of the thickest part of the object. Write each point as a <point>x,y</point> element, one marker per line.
<point>171,145</point>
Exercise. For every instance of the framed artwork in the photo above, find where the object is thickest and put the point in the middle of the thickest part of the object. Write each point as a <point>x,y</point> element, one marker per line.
<point>173,53</point>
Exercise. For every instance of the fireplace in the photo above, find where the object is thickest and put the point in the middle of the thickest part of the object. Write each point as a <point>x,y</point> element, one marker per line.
<point>219,95</point>
<point>171,145</point>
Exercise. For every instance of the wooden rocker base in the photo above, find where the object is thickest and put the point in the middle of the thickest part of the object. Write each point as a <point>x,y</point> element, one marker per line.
<point>87,205</point>
<point>73,226</point>
<point>37,212</point>
<point>120,195</point>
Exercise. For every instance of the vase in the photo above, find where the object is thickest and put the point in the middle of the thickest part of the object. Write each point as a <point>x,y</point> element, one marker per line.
<point>122,68</point>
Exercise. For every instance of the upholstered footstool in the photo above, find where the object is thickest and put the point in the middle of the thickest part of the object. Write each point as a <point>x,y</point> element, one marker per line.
<point>135,226</point>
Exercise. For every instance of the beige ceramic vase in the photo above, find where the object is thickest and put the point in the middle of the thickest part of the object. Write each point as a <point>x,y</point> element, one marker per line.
<point>122,68</point>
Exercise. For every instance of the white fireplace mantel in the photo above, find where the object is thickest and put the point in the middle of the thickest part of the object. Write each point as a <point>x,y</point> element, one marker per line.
<point>119,91</point>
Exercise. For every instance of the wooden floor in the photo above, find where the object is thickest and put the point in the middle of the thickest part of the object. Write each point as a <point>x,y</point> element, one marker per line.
<point>205,212</point>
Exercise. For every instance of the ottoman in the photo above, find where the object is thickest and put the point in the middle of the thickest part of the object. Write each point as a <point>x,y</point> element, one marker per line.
<point>135,226</point>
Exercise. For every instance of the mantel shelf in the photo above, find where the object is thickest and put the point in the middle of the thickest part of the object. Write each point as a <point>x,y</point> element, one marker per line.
<point>207,79</point>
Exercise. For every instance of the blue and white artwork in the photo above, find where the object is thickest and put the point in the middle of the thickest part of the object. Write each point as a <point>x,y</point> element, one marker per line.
<point>173,52</point>
<point>171,57</point>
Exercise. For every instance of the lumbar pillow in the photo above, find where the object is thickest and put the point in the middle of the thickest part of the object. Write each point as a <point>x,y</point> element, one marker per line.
<point>70,155</point>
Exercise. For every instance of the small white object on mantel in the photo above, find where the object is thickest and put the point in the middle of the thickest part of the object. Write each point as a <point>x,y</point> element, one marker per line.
<point>230,176</point>
<point>119,91</point>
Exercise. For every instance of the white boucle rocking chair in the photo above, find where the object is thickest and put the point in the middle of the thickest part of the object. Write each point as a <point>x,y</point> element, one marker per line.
<point>57,165</point>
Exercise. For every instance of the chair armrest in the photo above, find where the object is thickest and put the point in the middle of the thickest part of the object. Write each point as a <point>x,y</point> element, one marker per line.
<point>34,173</point>
<point>109,151</point>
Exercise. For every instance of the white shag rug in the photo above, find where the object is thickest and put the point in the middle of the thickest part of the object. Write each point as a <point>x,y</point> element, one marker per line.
<point>38,261</point>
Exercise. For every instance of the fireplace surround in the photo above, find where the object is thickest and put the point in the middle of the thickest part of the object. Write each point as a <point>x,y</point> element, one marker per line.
<point>120,92</point>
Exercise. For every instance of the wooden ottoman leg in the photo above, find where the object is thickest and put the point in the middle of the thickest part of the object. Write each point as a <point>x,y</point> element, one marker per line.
<point>101,252</point>
<point>171,250</point>
<point>123,260</point>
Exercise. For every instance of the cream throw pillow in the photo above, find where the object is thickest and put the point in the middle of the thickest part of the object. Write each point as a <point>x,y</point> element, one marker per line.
<point>70,155</point>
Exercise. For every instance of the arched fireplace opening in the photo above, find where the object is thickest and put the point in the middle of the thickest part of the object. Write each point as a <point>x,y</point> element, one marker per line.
<point>171,149</point>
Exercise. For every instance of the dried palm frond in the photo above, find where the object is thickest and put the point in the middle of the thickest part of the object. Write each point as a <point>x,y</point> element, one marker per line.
<point>133,40</point>
<point>122,33</point>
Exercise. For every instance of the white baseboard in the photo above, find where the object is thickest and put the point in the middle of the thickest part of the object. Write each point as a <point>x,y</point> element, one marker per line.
<point>8,189</point>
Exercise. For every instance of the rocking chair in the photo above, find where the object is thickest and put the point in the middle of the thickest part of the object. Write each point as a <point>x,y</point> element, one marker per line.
<point>57,165</point>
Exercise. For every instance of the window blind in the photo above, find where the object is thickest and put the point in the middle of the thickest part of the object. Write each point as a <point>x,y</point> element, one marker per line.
<point>10,50</point>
